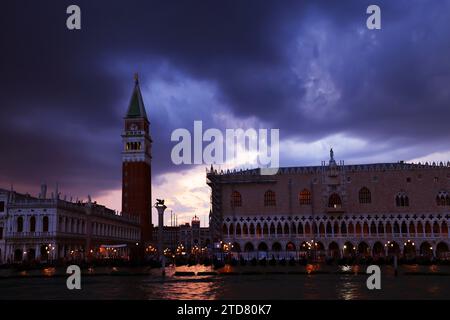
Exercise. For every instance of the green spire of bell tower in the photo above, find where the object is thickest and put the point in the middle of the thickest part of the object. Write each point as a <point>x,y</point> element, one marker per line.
<point>136,108</point>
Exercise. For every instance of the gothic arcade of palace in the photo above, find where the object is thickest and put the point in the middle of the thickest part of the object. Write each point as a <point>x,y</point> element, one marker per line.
<point>333,210</point>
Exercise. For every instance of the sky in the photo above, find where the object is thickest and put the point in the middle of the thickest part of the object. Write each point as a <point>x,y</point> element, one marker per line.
<point>311,69</point>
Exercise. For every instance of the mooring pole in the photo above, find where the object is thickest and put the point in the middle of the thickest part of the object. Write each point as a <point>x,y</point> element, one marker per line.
<point>161,207</point>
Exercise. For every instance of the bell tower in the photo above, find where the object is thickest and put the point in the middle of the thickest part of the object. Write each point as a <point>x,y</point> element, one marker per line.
<point>136,164</point>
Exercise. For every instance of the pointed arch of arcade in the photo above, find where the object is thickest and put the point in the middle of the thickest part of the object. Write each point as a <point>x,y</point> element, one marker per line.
<point>319,246</point>
<point>236,247</point>
<point>231,230</point>
<point>293,228</point>
<point>412,229</point>
<point>286,229</point>
<point>333,249</point>
<point>258,230</point>
<point>307,229</point>
<point>436,228</point>
<point>358,228</point>
<point>393,248</point>
<point>365,228</point>
<point>252,229</point>
<point>249,247</point>
<point>225,229</point>
<point>263,246</point>
<point>265,229</point>
<point>428,228</point>
<point>329,229</point>
<point>420,229</point>
<point>290,246</point>
<point>348,249</point>
<point>444,229</point>
<point>351,228</point>
<point>300,228</point>
<point>276,246</point>
<point>409,249</point>
<point>321,229</point>
<point>378,249</point>
<point>245,230</point>
<point>380,228</point>
<point>363,248</point>
<point>343,228</point>
<point>279,229</point>
<point>303,246</point>
<point>336,229</point>
<point>442,250</point>
<point>272,229</point>
<point>426,249</point>
<point>238,229</point>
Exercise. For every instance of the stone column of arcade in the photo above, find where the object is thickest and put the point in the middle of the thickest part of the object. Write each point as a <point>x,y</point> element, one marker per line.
<point>161,207</point>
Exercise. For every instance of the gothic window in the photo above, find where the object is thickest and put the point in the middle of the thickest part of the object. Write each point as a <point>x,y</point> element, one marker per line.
<point>334,201</point>
<point>304,197</point>
<point>286,229</point>
<point>373,228</point>
<point>351,229</point>
<point>279,229</point>
<point>265,229</point>
<point>412,229</point>
<point>307,228</point>
<point>269,198</point>
<point>236,199</point>
<point>443,199</point>
<point>329,229</point>
<point>396,227</point>
<point>444,229</point>
<point>272,229</point>
<point>293,228</point>
<point>258,230</point>
<point>343,228</point>
<point>336,227</point>
<point>238,229</point>
<point>428,228</point>
<point>300,228</point>
<point>420,229</point>
<point>365,195</point>
<point>321,229</point>
<point>404,228</point>
<point>252,229</point>
<point>402,200</point>
<point>436,228</point>
<point>365,229</point>
<point>380,228</point>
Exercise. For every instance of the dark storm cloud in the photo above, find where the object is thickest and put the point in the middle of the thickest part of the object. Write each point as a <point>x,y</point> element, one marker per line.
<point>311,69</point>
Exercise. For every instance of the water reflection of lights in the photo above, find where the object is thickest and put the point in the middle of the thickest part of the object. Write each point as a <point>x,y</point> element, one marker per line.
<point>346,268</point>
<point>48,271</point>
<point>347,289</point>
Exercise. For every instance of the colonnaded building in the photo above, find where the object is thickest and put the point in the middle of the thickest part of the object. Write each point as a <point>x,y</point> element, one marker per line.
<point>46,228</point>
<point>333,210</point>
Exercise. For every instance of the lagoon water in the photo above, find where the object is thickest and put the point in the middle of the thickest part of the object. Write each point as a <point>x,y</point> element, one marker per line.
<point>289,282</point>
